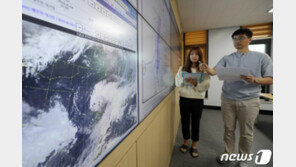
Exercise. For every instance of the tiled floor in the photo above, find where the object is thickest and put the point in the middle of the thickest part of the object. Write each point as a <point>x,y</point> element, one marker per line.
<point>211,141</point>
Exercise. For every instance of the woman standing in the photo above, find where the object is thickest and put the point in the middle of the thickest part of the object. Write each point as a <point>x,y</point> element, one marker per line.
<point>192,99</point>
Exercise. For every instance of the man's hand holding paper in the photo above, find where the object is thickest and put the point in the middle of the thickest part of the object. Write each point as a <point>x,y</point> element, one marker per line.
<point>232,73</point>
<point>250,78</point>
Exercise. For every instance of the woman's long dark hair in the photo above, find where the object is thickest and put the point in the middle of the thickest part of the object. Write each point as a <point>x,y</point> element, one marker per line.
<point>188,63</point>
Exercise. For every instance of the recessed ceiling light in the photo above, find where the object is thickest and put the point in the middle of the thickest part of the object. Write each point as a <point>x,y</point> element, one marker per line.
<point>270,10</point>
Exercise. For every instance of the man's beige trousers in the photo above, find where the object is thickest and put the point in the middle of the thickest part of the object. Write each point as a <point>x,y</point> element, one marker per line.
<point>245,112</point>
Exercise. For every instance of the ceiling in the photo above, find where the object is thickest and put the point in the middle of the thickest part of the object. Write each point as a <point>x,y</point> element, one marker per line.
<point>210,14</point>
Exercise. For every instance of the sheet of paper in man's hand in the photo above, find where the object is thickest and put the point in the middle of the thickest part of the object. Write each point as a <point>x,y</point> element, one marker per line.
<point>231,73</point>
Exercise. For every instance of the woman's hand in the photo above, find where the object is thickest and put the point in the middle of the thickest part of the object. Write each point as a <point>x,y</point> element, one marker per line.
<point>191,81</point>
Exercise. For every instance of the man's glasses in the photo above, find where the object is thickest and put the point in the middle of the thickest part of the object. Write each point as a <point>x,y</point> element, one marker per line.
<point>241,38</point>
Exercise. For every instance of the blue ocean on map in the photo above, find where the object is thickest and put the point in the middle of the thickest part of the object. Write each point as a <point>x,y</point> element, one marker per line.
<point>79,98</point>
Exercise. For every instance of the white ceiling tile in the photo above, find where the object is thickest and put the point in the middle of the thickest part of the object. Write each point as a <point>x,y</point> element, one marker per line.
<point>209,14</point>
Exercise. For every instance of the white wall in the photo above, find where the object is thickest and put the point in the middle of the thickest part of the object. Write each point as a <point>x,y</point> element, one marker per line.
<point>220,44</point>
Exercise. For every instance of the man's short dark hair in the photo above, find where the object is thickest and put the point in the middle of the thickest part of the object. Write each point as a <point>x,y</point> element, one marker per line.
<point>242,31</point>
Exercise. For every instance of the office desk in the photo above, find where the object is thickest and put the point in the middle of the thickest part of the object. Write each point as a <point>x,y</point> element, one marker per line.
<point>268,96</point>
<point>268,99</point>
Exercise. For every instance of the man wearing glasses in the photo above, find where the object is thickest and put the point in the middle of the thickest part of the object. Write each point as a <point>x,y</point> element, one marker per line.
<point>240,99</point>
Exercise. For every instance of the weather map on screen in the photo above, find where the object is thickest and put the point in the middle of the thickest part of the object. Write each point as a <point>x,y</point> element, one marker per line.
<point>154,69</point>
<point>158,43</point>
<point>155,64</point>
<point>158,16</point>
<point>134,3</point>
<point>79,96</point>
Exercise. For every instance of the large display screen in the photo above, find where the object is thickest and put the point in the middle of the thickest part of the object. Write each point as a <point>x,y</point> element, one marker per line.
<point>158,43</point>
<point>157,15</point>
<point>92,71</point>
<point>154,71</point>
<point>134,3</point>
<point>79,96</point>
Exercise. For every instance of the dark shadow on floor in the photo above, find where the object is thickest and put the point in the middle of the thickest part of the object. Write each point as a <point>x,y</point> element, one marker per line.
<point>265,125</point>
